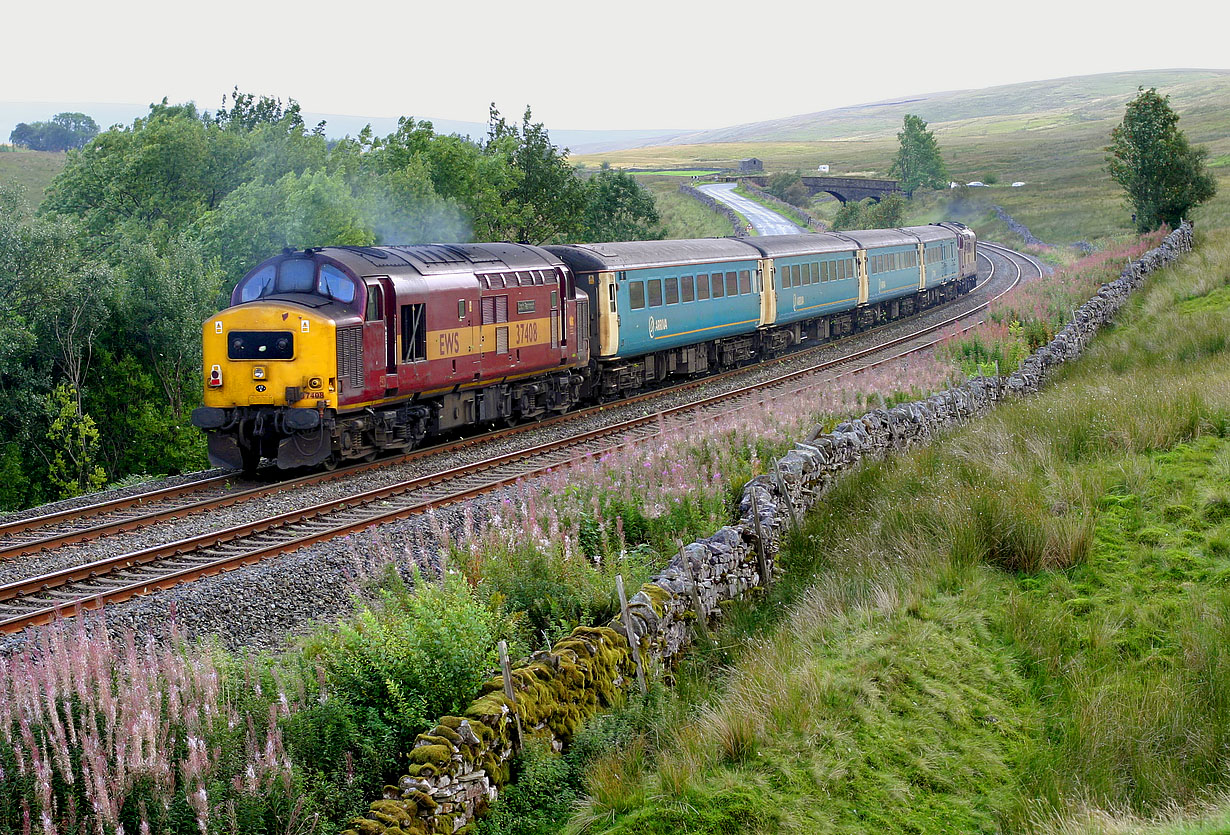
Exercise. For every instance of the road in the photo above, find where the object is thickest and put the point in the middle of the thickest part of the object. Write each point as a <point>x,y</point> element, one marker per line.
<point>766,221</point>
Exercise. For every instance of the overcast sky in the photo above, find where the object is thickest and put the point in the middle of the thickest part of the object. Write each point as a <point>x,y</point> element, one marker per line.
<point>625,64</point>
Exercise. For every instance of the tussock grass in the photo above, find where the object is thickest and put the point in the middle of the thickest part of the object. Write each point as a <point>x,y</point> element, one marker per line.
<point>1024,627</point>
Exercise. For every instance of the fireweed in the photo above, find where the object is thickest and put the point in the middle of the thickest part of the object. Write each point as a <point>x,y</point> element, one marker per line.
<point>1030,315</point>
<point>106,736</point>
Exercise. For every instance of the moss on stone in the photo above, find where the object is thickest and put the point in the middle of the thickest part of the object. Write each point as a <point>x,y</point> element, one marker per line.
<point>658,598</point>
<point>446,732</point>
<point>438,755</point>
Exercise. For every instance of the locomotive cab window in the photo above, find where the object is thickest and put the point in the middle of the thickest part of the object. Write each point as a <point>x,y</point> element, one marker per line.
<point>373,304</point>
<point>461,308</point>
<point>335,284</point>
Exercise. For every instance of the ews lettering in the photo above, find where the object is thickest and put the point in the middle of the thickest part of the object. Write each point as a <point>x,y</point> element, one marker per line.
<point>450,343</point>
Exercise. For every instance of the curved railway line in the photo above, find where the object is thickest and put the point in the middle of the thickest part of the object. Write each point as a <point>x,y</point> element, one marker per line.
<point>43,598</point>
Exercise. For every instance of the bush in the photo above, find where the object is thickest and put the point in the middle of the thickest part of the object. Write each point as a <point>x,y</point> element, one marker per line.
<point>417,654</point>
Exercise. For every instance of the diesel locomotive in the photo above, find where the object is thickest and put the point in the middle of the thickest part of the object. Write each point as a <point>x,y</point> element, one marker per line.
<point>339,353</point>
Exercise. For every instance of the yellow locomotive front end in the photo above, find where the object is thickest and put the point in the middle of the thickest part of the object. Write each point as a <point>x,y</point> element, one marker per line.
<point>270,374</point>
<point>271,383</point>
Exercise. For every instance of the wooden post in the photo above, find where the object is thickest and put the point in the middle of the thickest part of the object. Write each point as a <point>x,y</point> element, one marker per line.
<point>633,640</point>
<point>702,627</point>
<point>762,563</point>
<point>506,671</point>
<point>781,488</point>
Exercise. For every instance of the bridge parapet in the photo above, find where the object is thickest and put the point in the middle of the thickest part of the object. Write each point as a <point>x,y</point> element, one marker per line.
<point>843,188</point>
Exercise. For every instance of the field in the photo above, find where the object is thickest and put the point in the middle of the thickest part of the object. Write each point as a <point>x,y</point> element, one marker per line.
<point>31,170</point>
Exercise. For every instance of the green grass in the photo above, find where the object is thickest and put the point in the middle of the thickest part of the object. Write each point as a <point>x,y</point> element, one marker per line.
<point>693,173</point>
<point>683,216</point>
<point>1022,627</point>
<point>792,215</point>
<point>32,170</point>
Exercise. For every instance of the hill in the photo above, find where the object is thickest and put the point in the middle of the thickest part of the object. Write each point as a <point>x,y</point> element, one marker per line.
<point>1035,106</point>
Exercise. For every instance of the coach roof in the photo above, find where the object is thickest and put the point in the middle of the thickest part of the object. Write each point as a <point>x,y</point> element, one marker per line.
<point>630,255</point>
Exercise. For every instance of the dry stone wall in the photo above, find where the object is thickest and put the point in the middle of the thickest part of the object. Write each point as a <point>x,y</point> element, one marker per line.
<point>730,214</point>
<point>458,768</point>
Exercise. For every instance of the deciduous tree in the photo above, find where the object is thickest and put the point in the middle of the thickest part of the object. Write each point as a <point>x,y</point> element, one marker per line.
<point>1164,176</point>
<point>918,162</point>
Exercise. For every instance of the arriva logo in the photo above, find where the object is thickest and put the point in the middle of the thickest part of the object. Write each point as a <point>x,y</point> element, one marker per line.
<point>656,325</point>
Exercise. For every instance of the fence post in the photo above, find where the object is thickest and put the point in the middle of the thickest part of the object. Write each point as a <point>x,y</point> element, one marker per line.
<point>633,640</point>
<point>509,693</point>
<point>781,488</point>
<point>702,627</point>
<point>762,564</point>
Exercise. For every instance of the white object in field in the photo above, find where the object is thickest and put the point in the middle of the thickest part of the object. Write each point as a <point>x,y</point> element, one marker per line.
<point>1017,184</point>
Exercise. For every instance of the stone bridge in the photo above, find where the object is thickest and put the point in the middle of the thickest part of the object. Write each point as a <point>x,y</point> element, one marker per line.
<point>843,188</point>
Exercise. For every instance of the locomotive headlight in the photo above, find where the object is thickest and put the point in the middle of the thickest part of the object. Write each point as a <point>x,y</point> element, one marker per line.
<point>315,383</point>
<point>258,372</point>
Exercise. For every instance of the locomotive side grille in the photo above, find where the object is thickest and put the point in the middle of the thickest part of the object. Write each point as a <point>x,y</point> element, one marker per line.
<point>501,308</point>
<point>488,310</point>
<point>501,340</point>
<point>350,356</point>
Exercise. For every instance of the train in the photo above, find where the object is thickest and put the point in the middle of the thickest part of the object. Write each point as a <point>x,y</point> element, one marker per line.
<point>341,353</point>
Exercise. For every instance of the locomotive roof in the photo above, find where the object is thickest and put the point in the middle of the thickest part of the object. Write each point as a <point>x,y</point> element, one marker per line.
<point>441,259</point>
<point>639,254</point>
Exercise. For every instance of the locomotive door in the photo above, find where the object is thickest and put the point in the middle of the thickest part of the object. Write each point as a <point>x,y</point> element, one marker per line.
<point>380,338</point>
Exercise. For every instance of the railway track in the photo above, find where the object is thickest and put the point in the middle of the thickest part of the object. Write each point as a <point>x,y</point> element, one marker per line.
<point>114,579</point>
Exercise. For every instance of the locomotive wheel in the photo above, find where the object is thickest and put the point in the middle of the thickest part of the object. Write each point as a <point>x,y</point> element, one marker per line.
<point>330,463</point>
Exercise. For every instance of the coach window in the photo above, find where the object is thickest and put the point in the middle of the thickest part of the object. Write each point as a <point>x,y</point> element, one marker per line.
<point>413,333</point>
<point>655,292</point>
<point>672,291</point>
<point>702,287</point>
<point>718,287</point>
<point>732,284</point>
<point>686,291</point>
<point>636,295</point>
<point>745,281</point>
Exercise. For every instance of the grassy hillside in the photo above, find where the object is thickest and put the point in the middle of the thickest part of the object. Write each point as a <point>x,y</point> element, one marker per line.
<point>32,170</point>
<point>1009,630</point>
<point>1036,106</point>
<point>1050,135</point>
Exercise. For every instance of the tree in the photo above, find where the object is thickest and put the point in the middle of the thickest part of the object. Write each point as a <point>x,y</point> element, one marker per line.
<point>618,208</point>
<point>888,213</point>
<point>918,162</point>
<point>788,186</point>
<point>546,198</point>
<point>64,132</point>
<point>73,445</point>
<point>1163,176</point>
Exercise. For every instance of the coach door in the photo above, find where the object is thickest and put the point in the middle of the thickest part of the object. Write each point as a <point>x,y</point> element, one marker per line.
<point>380,337</point>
